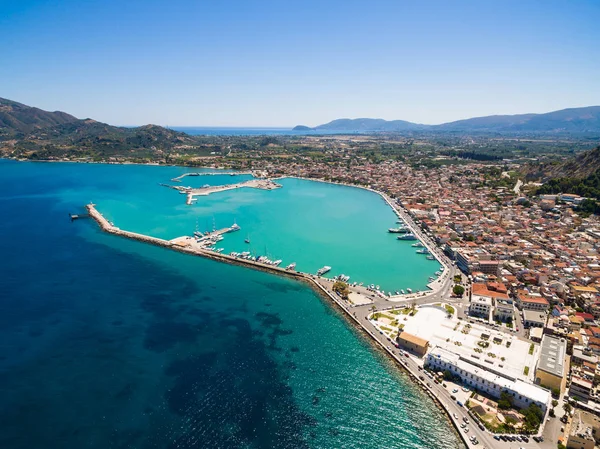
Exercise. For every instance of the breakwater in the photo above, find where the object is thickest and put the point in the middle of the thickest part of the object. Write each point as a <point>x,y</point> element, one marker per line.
<point>320,285</point>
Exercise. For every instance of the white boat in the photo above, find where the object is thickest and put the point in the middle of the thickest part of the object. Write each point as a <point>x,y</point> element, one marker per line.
<point>409,236</point>
<point>323,270</point>
<point>423,251</point>
<point>277,262</point>
<point>398,230</point>
<point>291,266</point>
<point>234,227</point>
<point>417,245</point>
<point>402,291</point>
<point>409,290</point>
<point>430,257</point>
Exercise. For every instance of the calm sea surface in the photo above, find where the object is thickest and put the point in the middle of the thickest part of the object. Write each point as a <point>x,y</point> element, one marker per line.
<point>110,343</point>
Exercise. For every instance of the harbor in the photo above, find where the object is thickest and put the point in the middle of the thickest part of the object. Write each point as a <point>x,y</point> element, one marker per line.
<point>357,314</point>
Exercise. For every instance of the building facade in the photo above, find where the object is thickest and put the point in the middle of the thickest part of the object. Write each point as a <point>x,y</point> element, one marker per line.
<point>551,370</point>
<point>487,380</point>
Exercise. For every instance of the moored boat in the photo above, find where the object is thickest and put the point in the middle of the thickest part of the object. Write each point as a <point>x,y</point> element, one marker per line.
<point>409,236</point>
<point>323,270</point>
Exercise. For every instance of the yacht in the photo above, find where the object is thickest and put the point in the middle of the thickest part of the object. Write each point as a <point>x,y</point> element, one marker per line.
<point>276,263</point>
<point>430,257</point>
<point>234,227</point>
<point>423,251</point>
<point>342,277</point>
<point>409,236</point>
<point>398,230</point>
<point>417,245</point>
<point>291,266</point>
<point>322,271</point>
<point>409,290</point>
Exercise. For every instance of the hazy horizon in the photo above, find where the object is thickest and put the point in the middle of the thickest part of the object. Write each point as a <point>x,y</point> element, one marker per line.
<point>275,64</point>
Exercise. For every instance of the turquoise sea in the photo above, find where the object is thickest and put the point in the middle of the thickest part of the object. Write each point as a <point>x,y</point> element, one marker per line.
<point>111,343</point>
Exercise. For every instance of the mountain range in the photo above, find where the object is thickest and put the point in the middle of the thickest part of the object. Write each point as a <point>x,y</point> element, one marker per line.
<point>573,120</point>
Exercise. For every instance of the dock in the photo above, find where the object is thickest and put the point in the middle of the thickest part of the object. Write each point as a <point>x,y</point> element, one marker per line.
<point>261,184</point>
<point>180,177</point>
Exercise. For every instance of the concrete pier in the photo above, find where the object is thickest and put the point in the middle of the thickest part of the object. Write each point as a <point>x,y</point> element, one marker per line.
<point>262,184</point>
<point>179,178</point>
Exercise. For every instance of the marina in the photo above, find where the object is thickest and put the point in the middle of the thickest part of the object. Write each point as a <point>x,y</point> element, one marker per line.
<point>324,286</point>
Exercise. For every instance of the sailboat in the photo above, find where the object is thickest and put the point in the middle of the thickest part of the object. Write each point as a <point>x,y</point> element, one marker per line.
<point>247,239</point>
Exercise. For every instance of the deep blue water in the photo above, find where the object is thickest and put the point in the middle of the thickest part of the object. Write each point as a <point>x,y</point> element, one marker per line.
<point>110,343</point>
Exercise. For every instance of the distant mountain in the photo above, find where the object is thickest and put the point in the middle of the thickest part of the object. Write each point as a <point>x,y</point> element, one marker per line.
<point>369,124</point>
<point>574,120</point>
<point>18,117</point>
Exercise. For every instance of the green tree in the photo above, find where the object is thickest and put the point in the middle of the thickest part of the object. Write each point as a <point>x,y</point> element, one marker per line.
<point>458,290</point>
<point>341,288</point>
<point>505,401</point>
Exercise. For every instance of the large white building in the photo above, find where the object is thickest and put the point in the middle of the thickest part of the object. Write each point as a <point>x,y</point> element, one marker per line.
<point>488,379</point>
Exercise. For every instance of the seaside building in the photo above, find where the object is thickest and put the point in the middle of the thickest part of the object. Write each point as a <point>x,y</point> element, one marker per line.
<point>551,370</point>
<point>413,343</point>
<point>488,380</point>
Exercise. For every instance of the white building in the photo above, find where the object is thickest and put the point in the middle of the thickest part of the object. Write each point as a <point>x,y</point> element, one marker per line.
<point>504,309</point>
<point>480,306</point>
<point>488,380</point>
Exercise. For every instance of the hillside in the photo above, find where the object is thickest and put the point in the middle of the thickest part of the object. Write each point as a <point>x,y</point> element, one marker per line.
<point>19,118</point>
<point>36,134</point>
<point>578,167</point>
<point>573,120</point>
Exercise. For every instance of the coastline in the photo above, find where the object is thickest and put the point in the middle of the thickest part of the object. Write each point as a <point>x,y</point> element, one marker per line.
<point>313,281</point>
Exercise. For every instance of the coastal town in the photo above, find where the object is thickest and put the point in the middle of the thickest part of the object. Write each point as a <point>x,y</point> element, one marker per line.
<point>510,338</point>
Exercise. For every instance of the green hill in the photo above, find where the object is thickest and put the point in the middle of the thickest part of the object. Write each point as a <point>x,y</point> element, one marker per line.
<point>36,134</point>
<point>18,118</point>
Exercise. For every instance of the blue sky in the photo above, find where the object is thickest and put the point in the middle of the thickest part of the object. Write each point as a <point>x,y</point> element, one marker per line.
<point>288,62</point>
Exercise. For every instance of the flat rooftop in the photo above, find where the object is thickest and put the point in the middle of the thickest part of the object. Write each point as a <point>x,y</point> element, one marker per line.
<point>552,357</point>
<point>432,323</point>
